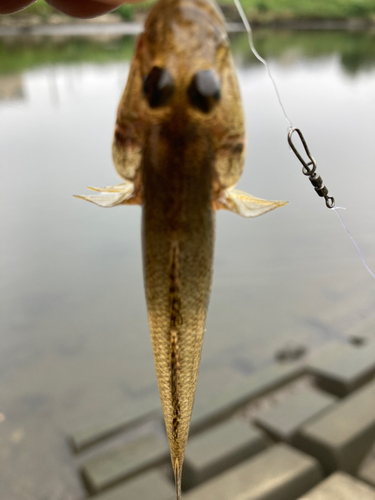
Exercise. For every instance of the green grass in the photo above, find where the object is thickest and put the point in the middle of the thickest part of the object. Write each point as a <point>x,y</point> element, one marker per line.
<point>128,11</point>
<point>307,9</point>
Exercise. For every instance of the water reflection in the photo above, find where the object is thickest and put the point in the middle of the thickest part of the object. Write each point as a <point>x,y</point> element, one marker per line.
<point>73,329</point>
<point>11,87</point>
<point>356,50</point>
<point>16,55</point>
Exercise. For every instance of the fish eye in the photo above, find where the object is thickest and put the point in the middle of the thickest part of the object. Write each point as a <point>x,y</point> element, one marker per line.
<point>204,90</point>
<point>158,87</point>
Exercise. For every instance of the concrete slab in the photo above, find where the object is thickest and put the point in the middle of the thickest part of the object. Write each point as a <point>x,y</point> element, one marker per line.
<point>279,473</point>
<point>285,418</point>
<point>116,422</point>
<point>340,486</point>
<point>149,486</point>
<point>113,466</point>
<point>208,412</point>
<point>214,379</point>
<point>342,368</point>
<point>365,329</point>
<point>342,437</point>
<point>220,448</point>
<point>366,471</point>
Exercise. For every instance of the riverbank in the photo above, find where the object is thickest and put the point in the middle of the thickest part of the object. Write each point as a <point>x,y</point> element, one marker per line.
<point>113,27</point>
<point>343,14</point>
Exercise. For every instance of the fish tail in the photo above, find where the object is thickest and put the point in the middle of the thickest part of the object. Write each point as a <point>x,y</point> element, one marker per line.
<point>177,477</point>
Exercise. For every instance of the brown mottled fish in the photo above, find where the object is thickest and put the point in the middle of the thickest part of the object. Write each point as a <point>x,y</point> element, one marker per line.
<point>179,146</point>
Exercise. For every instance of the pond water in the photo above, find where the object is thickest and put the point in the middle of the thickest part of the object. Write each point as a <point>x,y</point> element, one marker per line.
<point>74,335</point>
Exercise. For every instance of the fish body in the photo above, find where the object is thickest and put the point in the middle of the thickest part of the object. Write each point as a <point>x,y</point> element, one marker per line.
<point>178,174</point>
<point>179,146</point>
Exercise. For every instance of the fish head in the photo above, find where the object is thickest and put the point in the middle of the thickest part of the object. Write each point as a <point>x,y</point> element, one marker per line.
<point>182,80</point>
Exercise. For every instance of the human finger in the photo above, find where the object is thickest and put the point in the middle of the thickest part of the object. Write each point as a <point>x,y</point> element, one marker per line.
<point>11,6</point>
<point>82,8</point>
<point>85,9</point>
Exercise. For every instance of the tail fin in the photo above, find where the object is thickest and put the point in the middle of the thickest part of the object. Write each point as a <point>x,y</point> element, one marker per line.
<point>177,469</point>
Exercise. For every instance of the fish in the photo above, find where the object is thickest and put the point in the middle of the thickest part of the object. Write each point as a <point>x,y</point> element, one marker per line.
<point>179,146</point>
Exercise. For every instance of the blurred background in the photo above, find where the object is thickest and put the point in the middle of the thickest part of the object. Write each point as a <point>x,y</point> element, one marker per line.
<point>74,340</point>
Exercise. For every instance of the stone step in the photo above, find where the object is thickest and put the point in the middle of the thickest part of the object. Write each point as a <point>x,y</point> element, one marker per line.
<point>220,448</point>
<point>366,471</point>
<point>363,330</point>
<point>340,486</point>
<point>149,486</point>
<point>121,463</point>
<point>284,419</point>
<point>342,368</point>
<point>338,305</point>
<point>116,422</point>
<point>278,473</point>
<point>205,413</point>
<point>208,412</point>
<point>341,437</point>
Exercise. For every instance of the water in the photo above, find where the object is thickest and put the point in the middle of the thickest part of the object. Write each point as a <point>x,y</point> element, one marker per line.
<point>74,334</point>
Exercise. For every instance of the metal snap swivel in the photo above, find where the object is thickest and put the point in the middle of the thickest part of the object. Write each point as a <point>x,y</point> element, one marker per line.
<point>309,168</point>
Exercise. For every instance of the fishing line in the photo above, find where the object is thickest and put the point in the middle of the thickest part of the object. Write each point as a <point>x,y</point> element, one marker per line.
<point>353,240</point>
<point>309,168</point>
<point>259,57</point>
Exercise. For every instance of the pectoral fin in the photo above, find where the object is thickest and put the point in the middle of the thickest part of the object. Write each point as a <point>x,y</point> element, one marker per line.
<point>246,205</point>
<point>110,196</point>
